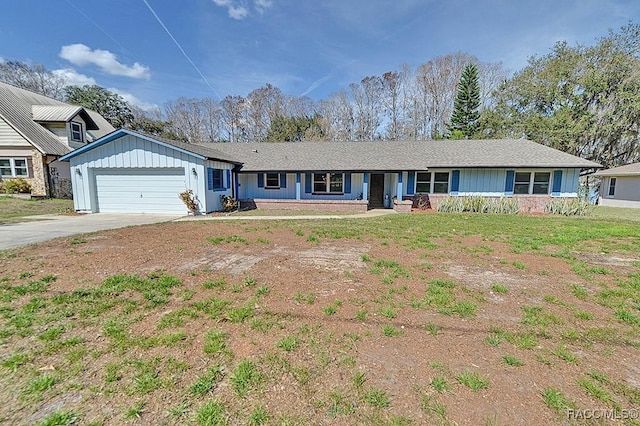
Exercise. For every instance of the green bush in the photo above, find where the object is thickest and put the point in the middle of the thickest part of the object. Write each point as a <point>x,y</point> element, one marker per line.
<point>17,186</point>
<point>479,204</point>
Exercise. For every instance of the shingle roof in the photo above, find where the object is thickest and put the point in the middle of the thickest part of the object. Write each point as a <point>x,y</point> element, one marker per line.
<point>628,170</point>
<point>399,155</point>
<point>16,108</point>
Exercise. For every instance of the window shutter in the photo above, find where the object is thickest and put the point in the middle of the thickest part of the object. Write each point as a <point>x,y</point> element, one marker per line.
<point>510,181</point>
<point>455,181</point>
<point>209,178</point>
<point>228,185</point>
<point>411,183</point>
<point>260,180</point>
<point>347,183</point>
<point>557,182</point>
<point>307,183</point>
<point>283,180</point>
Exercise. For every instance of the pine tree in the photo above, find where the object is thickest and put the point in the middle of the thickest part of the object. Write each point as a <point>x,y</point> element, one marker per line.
<point>466,114</point>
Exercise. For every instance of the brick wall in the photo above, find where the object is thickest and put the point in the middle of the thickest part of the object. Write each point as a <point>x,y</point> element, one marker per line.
<point>318,205</point>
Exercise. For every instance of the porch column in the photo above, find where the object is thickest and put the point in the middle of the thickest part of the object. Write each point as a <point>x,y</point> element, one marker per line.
<point>298,186</point>
<point>365,187</point>
<point>399,193</point>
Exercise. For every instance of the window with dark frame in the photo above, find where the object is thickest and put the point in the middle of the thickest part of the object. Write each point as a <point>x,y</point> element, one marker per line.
<point>328,183</point>
<point>521,185</point>
<point>541,182</point>
<point>76,132</point>
<point>218,179</point>
<point>612,187</point>
<point>423,182</point>
<point>272,180</point>
<point>441,183</point>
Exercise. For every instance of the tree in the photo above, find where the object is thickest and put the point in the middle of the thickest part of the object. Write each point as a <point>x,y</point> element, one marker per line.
<point>35,78</point>
<point>293,129</point>
<point>465,116</point>
<point>153,124</point>
<point>110,105</point>
<point>584,100</point>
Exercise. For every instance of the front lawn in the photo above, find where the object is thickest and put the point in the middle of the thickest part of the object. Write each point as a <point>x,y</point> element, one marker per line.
<point>410,319</point>
<point>14,209</point>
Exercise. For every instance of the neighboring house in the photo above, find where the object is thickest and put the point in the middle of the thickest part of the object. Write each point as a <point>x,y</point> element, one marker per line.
<point>620,186</point>
<point>131,172</point>
<point>35,131</point>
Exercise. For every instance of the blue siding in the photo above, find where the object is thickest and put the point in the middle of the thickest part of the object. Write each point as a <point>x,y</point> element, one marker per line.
<point>411,183</point>
<point>307,183</point>
<point>557,182</point>
<point>510,182</point>
<point>283,180</point>
<point>347,183</point>
<point>228,184</point>
<point>260,180</point>
<point>455,181</point>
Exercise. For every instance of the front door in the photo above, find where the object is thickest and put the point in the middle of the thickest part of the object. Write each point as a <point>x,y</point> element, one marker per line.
<point>376,190</point>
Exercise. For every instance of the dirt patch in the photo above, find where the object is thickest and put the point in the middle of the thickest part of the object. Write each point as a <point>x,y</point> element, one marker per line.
<point>403,317</point>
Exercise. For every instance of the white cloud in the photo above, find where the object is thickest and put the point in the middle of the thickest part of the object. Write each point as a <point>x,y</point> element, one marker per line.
<point>237,9</point>
<point>80,55</point>
<point>262,5</point>
<point>131,99</point>
<point>74,78</point>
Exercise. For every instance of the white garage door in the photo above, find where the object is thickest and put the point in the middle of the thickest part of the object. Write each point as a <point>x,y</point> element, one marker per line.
<point>140,190</point>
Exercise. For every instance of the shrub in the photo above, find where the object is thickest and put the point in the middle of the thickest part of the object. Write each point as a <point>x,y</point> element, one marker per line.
<point>478,204</point>
<point>17,186</point>
<point>569,207</point>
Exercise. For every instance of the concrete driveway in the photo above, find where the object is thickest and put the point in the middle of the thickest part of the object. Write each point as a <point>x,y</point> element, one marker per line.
<point>48,227</point>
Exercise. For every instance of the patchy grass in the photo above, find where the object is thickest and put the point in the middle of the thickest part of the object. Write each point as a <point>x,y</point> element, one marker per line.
<point>416,340</point>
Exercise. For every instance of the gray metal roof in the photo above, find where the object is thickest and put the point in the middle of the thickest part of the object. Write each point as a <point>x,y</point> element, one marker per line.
<point>16,108</point>
<point>627,170</point>
<point>399,155</point>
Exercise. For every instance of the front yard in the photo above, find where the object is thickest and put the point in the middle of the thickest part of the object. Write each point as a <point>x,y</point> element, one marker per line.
<point>14,209</point>
<point>404,319</point>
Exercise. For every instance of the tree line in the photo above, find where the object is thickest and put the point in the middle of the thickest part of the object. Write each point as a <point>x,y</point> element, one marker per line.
<point>582,99</point>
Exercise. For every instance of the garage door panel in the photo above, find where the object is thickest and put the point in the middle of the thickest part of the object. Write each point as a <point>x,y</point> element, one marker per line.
<point>140,190</point>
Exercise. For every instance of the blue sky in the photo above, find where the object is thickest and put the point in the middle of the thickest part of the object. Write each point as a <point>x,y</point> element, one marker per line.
<point>151,51</point>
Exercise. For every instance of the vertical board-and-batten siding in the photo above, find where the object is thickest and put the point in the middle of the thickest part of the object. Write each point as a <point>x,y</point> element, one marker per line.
<point>133,152</point>
<point>249,188</point>
<point>491,182</point>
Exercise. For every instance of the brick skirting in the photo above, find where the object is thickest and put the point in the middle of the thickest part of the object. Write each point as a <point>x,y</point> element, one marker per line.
<point>360,206</point>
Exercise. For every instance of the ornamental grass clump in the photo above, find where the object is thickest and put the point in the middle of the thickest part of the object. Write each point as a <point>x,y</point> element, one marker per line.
<point>479,204</point>
<point>569,207</point>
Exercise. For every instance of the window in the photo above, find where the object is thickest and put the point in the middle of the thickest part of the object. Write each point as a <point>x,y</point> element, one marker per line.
<point>272,180</point>
<point>423,182</point>
<point>76,132</point>
<point>541,182</point>
<point>215,179</point>
<point>521,185</point>
<point>13,167</point>
<point>441,183</point>
<point>612,187</point>
<point>331,183</point>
